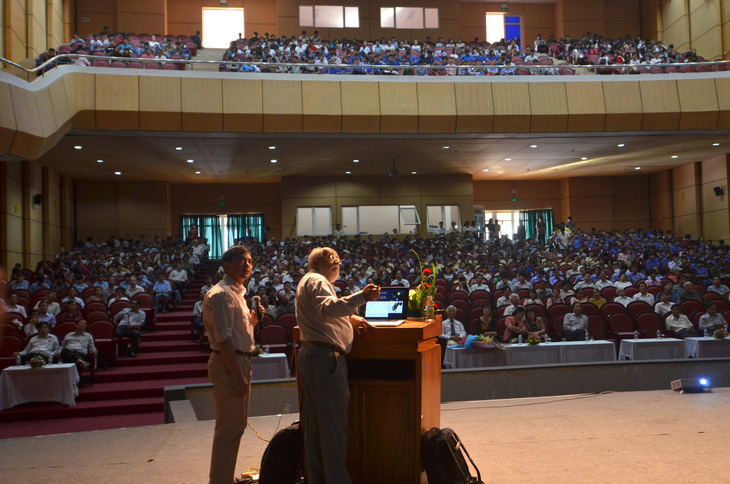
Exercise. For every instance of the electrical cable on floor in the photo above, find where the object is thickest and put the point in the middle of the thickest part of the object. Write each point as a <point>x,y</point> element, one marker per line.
<point>557,400</point>
<point>257,432</point>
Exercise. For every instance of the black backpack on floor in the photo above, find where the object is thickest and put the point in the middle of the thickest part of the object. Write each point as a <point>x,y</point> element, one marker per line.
<point>282,462</point>
<point>442,458</point>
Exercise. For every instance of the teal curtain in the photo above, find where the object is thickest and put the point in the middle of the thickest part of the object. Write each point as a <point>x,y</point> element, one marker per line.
<point>209,227</point>
<point>529,219</point>
<point>245,226</point>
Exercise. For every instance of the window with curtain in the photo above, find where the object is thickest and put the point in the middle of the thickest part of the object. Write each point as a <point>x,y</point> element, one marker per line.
<point>209,227</point>
<point>530,218</point>
<point>245,226</point>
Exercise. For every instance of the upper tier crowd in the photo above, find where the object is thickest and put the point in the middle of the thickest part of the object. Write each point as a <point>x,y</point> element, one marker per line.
<point>353,56</point>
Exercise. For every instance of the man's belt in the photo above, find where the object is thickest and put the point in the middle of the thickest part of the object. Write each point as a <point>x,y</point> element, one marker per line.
<point>238,352</point>
<point>322,344</point>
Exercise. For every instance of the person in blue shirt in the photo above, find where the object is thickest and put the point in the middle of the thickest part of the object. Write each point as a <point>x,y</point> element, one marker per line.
<point>40,283</point>
<point>163,291</point>
<point>80,283</point>
<point>19,283</point>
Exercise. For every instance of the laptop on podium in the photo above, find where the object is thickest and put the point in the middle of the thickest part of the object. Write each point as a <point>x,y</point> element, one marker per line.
<point>390,309</point>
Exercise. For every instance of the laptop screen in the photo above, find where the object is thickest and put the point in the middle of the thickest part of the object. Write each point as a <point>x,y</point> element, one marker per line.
<point>391,304</point>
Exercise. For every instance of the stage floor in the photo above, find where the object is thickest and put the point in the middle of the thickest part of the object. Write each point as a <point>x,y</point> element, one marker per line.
<point>642,437</point>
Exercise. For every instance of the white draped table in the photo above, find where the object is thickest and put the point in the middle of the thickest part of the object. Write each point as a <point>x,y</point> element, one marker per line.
<point>525,354</point>
<point>269,367</point>
<point>475,358</point>
<point>651,349</point>
<point>707,348</point>
<point>50,383</point>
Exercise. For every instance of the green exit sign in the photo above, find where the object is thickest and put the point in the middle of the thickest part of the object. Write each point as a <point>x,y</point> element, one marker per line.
<point>514,199</point>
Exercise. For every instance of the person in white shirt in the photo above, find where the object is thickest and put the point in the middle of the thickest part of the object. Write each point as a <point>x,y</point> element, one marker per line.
<point>602,281</point>
<point>504,300</point>
<point>179,276</point>
<point>664,305</point>
<point>133,288</point>
<point>643,295</point>
<point>198,317</point>
<point>680,324</point>
<point>718,287</point>
<point>339,233</point>
<point>78,346</point>
<point>514,300</point>
<point>43,344</point>
<point>452,329</point>
<point>14,307</point>
<point>622,298</point>
<point>479,284</point>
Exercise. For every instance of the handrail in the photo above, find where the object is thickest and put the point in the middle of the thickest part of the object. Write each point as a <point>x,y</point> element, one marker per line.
<point>350,68</point>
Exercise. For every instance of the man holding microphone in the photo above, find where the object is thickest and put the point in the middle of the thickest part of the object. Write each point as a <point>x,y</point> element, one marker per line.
<point>326,323</point>
<point>230,325</point>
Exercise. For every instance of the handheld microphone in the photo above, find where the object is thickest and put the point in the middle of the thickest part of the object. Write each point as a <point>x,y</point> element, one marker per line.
<point>256,302</point>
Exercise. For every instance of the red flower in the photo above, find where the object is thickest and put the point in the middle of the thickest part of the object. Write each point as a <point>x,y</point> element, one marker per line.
<point>435,305</point>
<point>427,285</point>
<point>427,271</point>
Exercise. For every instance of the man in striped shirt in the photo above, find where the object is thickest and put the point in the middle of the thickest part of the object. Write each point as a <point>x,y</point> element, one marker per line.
<point>230,325</point>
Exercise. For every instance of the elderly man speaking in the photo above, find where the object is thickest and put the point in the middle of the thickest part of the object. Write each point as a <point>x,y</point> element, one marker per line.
<point>326,323</point>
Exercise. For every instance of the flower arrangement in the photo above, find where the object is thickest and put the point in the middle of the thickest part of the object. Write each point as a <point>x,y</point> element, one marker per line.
<point>257,350</point>
<point>533,339</point>
<point>37,362</point>
<point>720,333</point>
<point>427,287</point>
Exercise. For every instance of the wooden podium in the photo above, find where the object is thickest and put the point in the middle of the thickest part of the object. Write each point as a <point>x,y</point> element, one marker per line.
<point>395,396</point>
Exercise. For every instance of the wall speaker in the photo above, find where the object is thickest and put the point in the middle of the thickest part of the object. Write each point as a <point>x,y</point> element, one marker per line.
<point>37,199</point>
<point>718,191</point>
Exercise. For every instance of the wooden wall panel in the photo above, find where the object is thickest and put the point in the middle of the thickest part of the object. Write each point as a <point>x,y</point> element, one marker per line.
<point>586,106</point>
<point>7,118</point>
<point>117,102</point>
<point>59,101</point>
<point>160,104</point>
<point>360,107</point>
<point>436,108</point>
<point>660,102</point>
<point>202,104</point>
<point>80,101</point>
<point>29,133</point>
<point>549,107</point>
<point>322,107</point>
<point>698,103</point>
<point>283,107</point>
<point>243,105</point>
<point>722,86</point>
<point>398,107</point>
<point>511,107</point>
<point>474,107</point>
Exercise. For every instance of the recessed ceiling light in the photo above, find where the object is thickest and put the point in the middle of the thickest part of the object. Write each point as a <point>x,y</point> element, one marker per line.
<point>78,147</point>
<point>674,157</point>
<point>715,144</point>
<point>272,147</point>
<point>533,146</point>
<point>637,168</point>
<point>178,148</point>
<point>356,161</point>
<point>191,161</point>
<point>413,173</point>
<point>621,145</point>
<point>485,170</point>
<point>584,158</point>
<point>348,173</point>
<point>274,161</point>
<point>117,172</point>
<point>100,161</point>
<point>197,173</point>
<point>508,159</point>
<point>447,147</point>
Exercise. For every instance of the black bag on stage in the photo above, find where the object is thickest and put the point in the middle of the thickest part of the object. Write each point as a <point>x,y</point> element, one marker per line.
<point>282,462</point>
<point>442,458</point>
